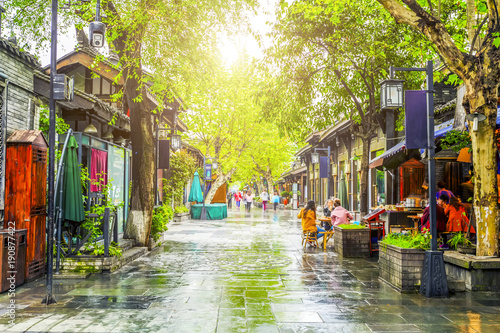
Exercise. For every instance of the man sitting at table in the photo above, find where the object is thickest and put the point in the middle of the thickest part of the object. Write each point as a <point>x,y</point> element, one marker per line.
<point>340,215</point>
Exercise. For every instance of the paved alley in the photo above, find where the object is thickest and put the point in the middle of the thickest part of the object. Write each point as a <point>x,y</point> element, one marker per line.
<point>248,273</point>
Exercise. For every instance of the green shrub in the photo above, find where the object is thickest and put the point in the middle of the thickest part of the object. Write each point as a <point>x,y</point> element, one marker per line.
<point>459,239</point>
<point>418,241</point>
<point>181,209</point>
<point>161,216</point>
<point>350,226</point>
<point>284,194</point>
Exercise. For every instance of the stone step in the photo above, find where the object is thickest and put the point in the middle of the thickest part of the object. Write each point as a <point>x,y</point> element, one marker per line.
<point>126,244</point>
<point>455,285</point>
<point>67,275</point>
<point>128,256</point>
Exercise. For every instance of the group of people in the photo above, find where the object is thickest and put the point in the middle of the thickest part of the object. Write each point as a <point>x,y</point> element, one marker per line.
<point>247,199</point>
<point>451,212</point>
<point>333,209</point>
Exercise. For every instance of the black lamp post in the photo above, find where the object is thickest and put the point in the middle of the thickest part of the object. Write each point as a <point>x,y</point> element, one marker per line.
<point>49,297</point>
<point>433,281</point>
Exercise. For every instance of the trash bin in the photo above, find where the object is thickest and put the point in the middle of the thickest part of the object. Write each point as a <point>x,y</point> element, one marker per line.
<point>12,271</point>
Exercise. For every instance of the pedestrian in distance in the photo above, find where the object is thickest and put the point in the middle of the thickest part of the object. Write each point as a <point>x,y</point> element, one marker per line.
<point>276,200</point>
<point>237,198</point>
<point>248,200</point>
<point>229,199</point>
<point>264,196</point>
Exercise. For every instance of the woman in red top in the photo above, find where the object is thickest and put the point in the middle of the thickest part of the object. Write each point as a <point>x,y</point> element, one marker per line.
<point>457,217</point>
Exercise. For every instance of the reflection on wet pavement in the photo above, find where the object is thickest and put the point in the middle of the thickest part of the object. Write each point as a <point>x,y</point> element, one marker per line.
<point>248,273</point>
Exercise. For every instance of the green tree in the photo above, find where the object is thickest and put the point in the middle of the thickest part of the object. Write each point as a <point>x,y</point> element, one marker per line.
<point>182,168</point>
<point>173,38</point>
<point>331,57</point>
<point>467,38</point>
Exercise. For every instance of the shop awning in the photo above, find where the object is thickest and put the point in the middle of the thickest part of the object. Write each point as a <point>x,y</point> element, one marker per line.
<point>441,130</point>
<point>379,161</point>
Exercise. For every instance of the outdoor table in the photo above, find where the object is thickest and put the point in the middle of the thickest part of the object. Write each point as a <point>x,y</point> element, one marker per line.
<point>416,222</point>
<point>216,211</point>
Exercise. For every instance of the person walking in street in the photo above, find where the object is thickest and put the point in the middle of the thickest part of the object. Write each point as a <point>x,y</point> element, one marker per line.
<point>229,199</point>
<point>248,200</point>
<point>276,200</point>
<point>237,198</point>
<point>264,196</point>
<point>308,216</point>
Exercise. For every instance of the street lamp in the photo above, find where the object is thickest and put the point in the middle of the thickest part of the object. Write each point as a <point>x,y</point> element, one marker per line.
<point>175,141</point>
<point>391,94</point>
<point>314,158</point>
<point>433,281</point>
<point>475,118</point>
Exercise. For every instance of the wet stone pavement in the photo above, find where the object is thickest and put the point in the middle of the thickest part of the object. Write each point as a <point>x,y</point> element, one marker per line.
<point>248,273</point>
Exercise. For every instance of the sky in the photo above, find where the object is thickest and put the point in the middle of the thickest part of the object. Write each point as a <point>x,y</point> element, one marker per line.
<point>229,47</point>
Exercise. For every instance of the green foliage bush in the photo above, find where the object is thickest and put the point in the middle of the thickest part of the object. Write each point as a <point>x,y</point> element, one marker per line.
<point>459,239</point>
<point>350,226</point>
<point>93,226</point>
<point>161,216</point>
<point>182,168</point>
<point>418,241</point>
<point>284,194</point>
<point>181,209</point>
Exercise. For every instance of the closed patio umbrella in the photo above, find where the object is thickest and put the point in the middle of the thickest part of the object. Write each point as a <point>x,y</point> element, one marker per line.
<point>195,194</point>
<point>72,200</point>
<point>343,196</point>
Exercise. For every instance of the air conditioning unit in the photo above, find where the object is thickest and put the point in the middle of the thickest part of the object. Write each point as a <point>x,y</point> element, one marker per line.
<point>64,87</point>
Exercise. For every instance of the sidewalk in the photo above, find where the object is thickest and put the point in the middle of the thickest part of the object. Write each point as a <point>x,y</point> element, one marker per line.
<point>248,273</point>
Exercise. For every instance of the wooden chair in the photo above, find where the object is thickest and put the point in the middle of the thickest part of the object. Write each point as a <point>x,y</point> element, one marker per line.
<point>309,237</point>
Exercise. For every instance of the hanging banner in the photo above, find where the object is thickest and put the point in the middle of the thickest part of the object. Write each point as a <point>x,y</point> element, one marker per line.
<point>416,119</point>
<point>164,154</point>
<point>323,167</point>
<point>208,172</point>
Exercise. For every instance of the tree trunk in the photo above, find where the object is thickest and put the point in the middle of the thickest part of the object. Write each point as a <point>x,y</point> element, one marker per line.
<point>363,193</point>
<point>484,151</point>
<point>221,179</point>
<point>128,47</point>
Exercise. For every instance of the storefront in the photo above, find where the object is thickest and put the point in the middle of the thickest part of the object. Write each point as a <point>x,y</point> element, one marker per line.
<point>110,162</point>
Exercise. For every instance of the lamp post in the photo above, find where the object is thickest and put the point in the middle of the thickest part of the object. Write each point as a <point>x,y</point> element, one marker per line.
<point>175,144</point>
<point>315,160</point>
<point>433,281</point>
<point>49,297</point>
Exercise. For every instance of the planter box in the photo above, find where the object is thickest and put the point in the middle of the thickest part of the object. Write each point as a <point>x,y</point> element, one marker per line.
<point>181,217</point>
<point>478,273</point>
<point>401,268</point>
<point>352,243</point>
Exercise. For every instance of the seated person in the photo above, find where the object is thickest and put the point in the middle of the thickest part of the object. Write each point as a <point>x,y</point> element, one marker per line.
<point>308,216</point>
<point>327,210</point>
<point>340,215</point>
<point>327,225</point>
<point>442,190</point>
<point>443,200</point>
<point>457,217</point>
<point>440,216</point>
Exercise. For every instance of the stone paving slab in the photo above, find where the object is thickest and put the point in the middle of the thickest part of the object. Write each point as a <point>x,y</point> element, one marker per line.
<point>248,273</point>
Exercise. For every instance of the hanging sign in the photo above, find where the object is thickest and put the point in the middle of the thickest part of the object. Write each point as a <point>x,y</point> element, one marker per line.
<point>208,172</point>
<point>416,119</point>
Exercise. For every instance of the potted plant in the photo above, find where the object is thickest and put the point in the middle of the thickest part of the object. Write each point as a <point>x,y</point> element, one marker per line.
<point>351,241</point>
<point>401,259</point>
<point>460,242</point>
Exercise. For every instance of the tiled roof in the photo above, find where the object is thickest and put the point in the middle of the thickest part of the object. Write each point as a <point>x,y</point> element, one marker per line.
<point>15,50</point>
<point>92,98</point>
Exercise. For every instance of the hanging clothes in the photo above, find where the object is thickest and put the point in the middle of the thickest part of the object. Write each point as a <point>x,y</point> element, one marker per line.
<point>98,170</point>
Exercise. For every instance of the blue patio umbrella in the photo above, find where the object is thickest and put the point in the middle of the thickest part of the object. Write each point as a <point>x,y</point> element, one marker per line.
<point>196,194</point>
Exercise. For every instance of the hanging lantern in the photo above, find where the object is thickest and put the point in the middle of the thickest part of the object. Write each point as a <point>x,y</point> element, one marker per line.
<point>391,94</point>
